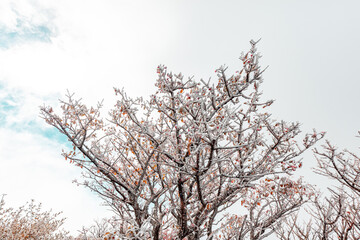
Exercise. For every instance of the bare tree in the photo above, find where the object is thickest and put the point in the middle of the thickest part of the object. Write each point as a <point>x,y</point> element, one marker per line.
<point>268,205</point>
<point>343,166</point>
<point>336,216</point>
<point>30,222</point>
<point>171,166</point>
<point>344,203</point>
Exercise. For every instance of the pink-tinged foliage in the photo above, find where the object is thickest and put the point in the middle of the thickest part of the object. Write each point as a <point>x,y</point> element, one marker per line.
<point>171,166</point>
<point>30,222</point>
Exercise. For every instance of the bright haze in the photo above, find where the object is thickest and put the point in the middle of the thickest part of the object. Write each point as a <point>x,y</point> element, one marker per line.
<point>88,47</point>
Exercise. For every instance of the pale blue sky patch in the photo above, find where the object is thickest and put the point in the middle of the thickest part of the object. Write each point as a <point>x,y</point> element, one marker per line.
<point>34,127</point>
<point>50,133</point>
<point>54,134</point>
<point>5,108</point>
<point>25,32</point>
<point>14,103</point>
<point>8,105</point>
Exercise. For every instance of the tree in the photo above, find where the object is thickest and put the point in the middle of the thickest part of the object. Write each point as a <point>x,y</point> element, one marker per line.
<point>338,215</point>
<point>171,166</point>
<point>105,228</point>
<point>30,222</point>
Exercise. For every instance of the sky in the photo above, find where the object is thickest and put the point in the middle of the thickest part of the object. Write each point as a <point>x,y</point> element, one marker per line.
<point>88,47</point>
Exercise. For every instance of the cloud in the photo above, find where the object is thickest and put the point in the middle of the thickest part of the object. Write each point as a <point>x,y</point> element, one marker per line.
<point>24,34</point>
<point>92,49</point>
<point>22,22</point>
<point>19,109</point>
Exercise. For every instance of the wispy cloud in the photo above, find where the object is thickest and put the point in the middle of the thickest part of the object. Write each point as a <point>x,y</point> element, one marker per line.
<point>25,23</point>
<point>19,111</point>
<point>30,33</point>
<point>7,105</point>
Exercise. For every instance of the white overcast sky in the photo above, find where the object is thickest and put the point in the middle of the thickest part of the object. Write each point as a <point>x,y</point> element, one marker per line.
<point>89,47</point>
